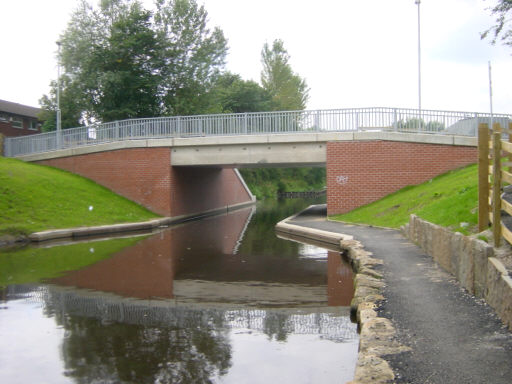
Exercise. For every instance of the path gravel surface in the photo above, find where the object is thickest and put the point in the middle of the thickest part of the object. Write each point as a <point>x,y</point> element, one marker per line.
<point>455,338</point>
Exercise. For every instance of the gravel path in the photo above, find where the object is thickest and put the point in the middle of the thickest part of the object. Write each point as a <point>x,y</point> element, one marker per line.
<point>455,338</point>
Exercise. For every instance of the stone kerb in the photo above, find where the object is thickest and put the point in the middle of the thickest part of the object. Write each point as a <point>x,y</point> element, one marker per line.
<point>377,334</point>
<point>470,260</point>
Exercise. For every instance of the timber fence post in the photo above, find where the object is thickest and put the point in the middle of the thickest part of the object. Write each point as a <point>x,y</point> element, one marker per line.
<point>496,188</point>
<point>483,177</point>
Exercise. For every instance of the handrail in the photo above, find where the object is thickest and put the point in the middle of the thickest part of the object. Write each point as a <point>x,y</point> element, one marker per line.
<point>253,123</point>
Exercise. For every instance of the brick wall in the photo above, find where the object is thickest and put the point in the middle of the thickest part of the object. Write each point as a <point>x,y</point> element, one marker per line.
<point>145,175</point>
<point>360,172</point>
<point>8,130</point>
<point>201,189</point>
<point>139,174</point>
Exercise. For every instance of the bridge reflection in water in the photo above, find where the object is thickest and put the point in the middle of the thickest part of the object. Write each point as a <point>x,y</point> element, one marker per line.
<point>201,262</point>
<point>209,301</point>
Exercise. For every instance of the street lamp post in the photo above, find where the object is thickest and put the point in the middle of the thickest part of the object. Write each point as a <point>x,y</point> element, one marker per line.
<point>59,132</point>
<point>419,61</point>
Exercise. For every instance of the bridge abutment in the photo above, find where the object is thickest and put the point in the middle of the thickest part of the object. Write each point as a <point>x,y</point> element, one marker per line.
<point>146,176</point>
<point>361,172</point>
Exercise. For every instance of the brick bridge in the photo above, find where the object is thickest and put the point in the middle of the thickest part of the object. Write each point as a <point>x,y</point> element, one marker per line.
<point>188,172</point>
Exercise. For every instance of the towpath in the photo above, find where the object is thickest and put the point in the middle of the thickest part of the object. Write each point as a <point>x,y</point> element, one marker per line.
<point>455,338</point>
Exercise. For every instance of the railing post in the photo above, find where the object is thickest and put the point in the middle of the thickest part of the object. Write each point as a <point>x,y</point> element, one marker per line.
<point>245,123</point>
<point>178,126</point>
<point>496,188</point>
<point>395,120</point>
<point>117,131</point>
<point>483,177</point>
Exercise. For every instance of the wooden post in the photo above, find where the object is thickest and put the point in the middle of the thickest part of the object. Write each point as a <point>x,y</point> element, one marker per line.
<point>510,141</point>
<point>483,177</point>
<point>496,188</point>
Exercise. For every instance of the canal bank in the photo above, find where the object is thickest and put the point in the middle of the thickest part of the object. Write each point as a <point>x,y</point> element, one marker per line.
<point>447,335</point>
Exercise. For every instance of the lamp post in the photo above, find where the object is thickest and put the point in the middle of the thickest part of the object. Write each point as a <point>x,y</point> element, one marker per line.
<point>59,133</point>
<point>419,61</point>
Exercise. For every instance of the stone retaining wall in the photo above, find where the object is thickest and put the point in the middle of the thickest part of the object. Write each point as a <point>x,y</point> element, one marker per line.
<point>470,260</point>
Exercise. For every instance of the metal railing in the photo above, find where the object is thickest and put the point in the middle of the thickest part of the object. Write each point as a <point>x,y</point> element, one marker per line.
<point>329,120</point>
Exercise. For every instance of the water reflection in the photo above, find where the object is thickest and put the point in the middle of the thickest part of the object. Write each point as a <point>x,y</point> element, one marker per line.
<point>218,300</point>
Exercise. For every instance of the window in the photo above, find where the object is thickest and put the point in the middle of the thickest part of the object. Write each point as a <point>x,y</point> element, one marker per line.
<point>17,122</point>
<point>33,125</point>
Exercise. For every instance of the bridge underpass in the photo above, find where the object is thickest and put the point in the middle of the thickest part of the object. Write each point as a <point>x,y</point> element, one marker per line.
<point>181,177</point>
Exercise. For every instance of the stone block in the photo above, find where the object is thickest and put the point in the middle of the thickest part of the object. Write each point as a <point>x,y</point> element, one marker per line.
<point>455,252</point>
<point>466,264</point>
<point>372,369</point>
<point>482,252</point>
<point>499,290</point>
<point>441,247</point>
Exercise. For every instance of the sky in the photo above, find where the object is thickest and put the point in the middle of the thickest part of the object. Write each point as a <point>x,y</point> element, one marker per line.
<point>353,54</point>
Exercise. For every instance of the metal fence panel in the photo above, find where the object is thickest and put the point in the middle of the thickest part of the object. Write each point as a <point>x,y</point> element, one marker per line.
<point>330,120</point>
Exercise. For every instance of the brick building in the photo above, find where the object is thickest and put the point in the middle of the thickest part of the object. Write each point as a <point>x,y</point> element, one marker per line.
<point>18,120</point>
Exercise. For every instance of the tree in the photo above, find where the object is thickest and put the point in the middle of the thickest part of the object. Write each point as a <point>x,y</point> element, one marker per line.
<point>121,61</point>
<point>71,110</point>
<point>288,90</point>
<point>193,56</point>
<point>501,10</point>
<point>235,95</point>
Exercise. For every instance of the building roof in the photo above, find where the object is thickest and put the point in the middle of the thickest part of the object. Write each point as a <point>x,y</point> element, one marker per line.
<point>18,109</point>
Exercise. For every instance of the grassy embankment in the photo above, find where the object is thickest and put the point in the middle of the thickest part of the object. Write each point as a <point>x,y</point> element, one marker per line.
<point>449,200</point>
<point>35,198</point>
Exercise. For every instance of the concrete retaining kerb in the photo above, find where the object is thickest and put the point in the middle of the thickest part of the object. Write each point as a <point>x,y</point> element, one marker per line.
<point>129,227</point>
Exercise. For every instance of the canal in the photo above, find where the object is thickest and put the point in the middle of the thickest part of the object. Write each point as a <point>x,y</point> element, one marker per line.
<point>218,300</point>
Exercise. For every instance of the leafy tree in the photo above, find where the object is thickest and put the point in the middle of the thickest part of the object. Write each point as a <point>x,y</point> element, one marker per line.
<point>71,112</point>
<point>235,95</point>
<point>122,61</point>
<point>288,90</point>
<point>415,123</point>
<point>193,56</point>
<point>502,13</point>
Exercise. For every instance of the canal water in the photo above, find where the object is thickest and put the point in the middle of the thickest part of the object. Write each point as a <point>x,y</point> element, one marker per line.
<point>219,300</point>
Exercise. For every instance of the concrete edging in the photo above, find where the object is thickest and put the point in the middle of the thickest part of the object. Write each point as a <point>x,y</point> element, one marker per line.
<point>470,260</point>
<point>377,334</point>
<point>67,233</point>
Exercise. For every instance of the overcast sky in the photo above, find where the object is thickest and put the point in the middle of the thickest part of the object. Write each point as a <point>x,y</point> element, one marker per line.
<point>351,53</point>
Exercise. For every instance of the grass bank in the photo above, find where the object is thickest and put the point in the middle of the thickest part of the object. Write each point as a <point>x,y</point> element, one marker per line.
<point>35,198</point>
<point>450,200</point>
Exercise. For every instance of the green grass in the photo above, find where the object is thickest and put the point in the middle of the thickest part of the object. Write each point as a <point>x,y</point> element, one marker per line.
<point>267,182</point>
<point>447,200</point>
<point>35,198</point>
<point>32,265</point>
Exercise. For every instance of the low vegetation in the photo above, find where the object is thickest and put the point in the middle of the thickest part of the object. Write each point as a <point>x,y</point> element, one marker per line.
<point>267,182</point>
<point>35,198</point>
<point>450,200</point>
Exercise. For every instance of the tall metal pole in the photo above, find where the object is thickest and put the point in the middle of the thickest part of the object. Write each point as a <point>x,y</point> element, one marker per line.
<point>59,133</point>
<point>419,59</point>
<point>491,127</point>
